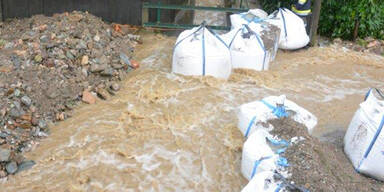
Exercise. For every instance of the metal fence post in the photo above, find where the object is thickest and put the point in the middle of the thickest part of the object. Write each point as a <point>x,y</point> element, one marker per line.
<point>158,17</point>
<point>1,11</point>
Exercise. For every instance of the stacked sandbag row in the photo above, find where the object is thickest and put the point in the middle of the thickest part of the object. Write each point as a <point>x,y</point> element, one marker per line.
<point>251,44</point>
<point>293,33</point>
<point>262,156</point>
<point>202,52</point>
<point>364,140</point>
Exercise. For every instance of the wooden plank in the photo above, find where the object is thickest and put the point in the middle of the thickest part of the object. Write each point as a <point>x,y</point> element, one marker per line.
<point>315,22</point>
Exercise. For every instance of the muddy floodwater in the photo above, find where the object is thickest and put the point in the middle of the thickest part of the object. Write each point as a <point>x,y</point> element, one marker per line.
<point>166,132</point>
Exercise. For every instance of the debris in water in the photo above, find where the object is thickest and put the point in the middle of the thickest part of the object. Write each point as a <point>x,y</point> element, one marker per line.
<point>88,97</point>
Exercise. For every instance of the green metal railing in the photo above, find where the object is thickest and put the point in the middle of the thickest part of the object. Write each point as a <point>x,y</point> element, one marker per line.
<point>159,7</point>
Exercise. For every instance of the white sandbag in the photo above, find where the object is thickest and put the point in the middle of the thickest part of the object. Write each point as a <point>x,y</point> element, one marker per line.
<point>254,115</point>
<point>270,35</point>
<point>201,52</point>
<point>253,15</point>
<point>293,33</point>
<point>364,140</point>
<point>247,50</point>
<point>255,52</point>
<point>257,155</point>
<point>262,182</point>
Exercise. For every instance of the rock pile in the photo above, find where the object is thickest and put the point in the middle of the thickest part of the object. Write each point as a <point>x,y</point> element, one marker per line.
<point>367,45</point>
<point>319,166</point>
<point>47,65</point>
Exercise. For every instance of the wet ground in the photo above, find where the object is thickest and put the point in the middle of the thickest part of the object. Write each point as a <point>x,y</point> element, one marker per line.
<point>165,132</point>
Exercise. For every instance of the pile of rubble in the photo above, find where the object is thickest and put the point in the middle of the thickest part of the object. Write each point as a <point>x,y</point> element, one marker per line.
<point>319,166</point>
<point>47,65</point>
<point>367,45</point>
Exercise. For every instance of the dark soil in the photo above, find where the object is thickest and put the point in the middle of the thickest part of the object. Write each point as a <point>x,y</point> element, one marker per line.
<point>319,166</point>
<point>46,64</point>
<point>270,35</point>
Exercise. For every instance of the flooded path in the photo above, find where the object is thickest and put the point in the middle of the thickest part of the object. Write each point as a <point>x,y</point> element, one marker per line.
<point>165,132</point>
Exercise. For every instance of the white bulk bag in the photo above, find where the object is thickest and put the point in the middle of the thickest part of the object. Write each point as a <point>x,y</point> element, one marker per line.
<point>253,15</point>
<point>200,52</point>
<point>364,140</point>
<point>264,30</point>
<point>257,155</point>
<point>252,116</point>
<point>262,182</point>
<point>247,50</point>
<point>293,33</point>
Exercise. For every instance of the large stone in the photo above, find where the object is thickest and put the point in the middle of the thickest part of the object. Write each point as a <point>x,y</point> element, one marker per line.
<point>84,60</point>
<point>16,113</point>
<point>25,165</point>
<point>81,45</point>
<point>337,41</point>
<point>26,101</point>
<point>95,68</point>
<point>42,124</point>
<point>107,72</point>
<point>88,97</point>
<point>96,38</point>
<point>115,86</point>
<point>11,167</point>
<point>3,135</point>
<point>84,72</point>
<point>373,44</point>
<point>125,59</point>
<point>38,58</point>
<point>103,59</point>
<point>117,66</point>
<point>3,174</point>
<point>135,64</point>
<point>17,105</point>
<point>4,154</point>
<point>102,93</point>
<point>16,93</point>
<point>69,55</point>
<point>44,39</point>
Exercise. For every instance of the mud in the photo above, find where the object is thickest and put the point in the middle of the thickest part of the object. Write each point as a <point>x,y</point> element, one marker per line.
<point>319,166</point>
<point>166,132</point>
<point>270,35</point>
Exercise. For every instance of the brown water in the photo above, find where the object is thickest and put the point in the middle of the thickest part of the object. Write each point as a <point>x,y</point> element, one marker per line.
<point>165,132</point>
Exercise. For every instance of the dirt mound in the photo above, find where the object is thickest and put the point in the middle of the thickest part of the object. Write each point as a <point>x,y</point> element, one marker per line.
<point>47,65</point>
<point>319,166</point>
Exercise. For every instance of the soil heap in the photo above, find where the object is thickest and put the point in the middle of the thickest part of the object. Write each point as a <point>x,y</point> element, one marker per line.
<point>47,65</point>
<point>319,166</point>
